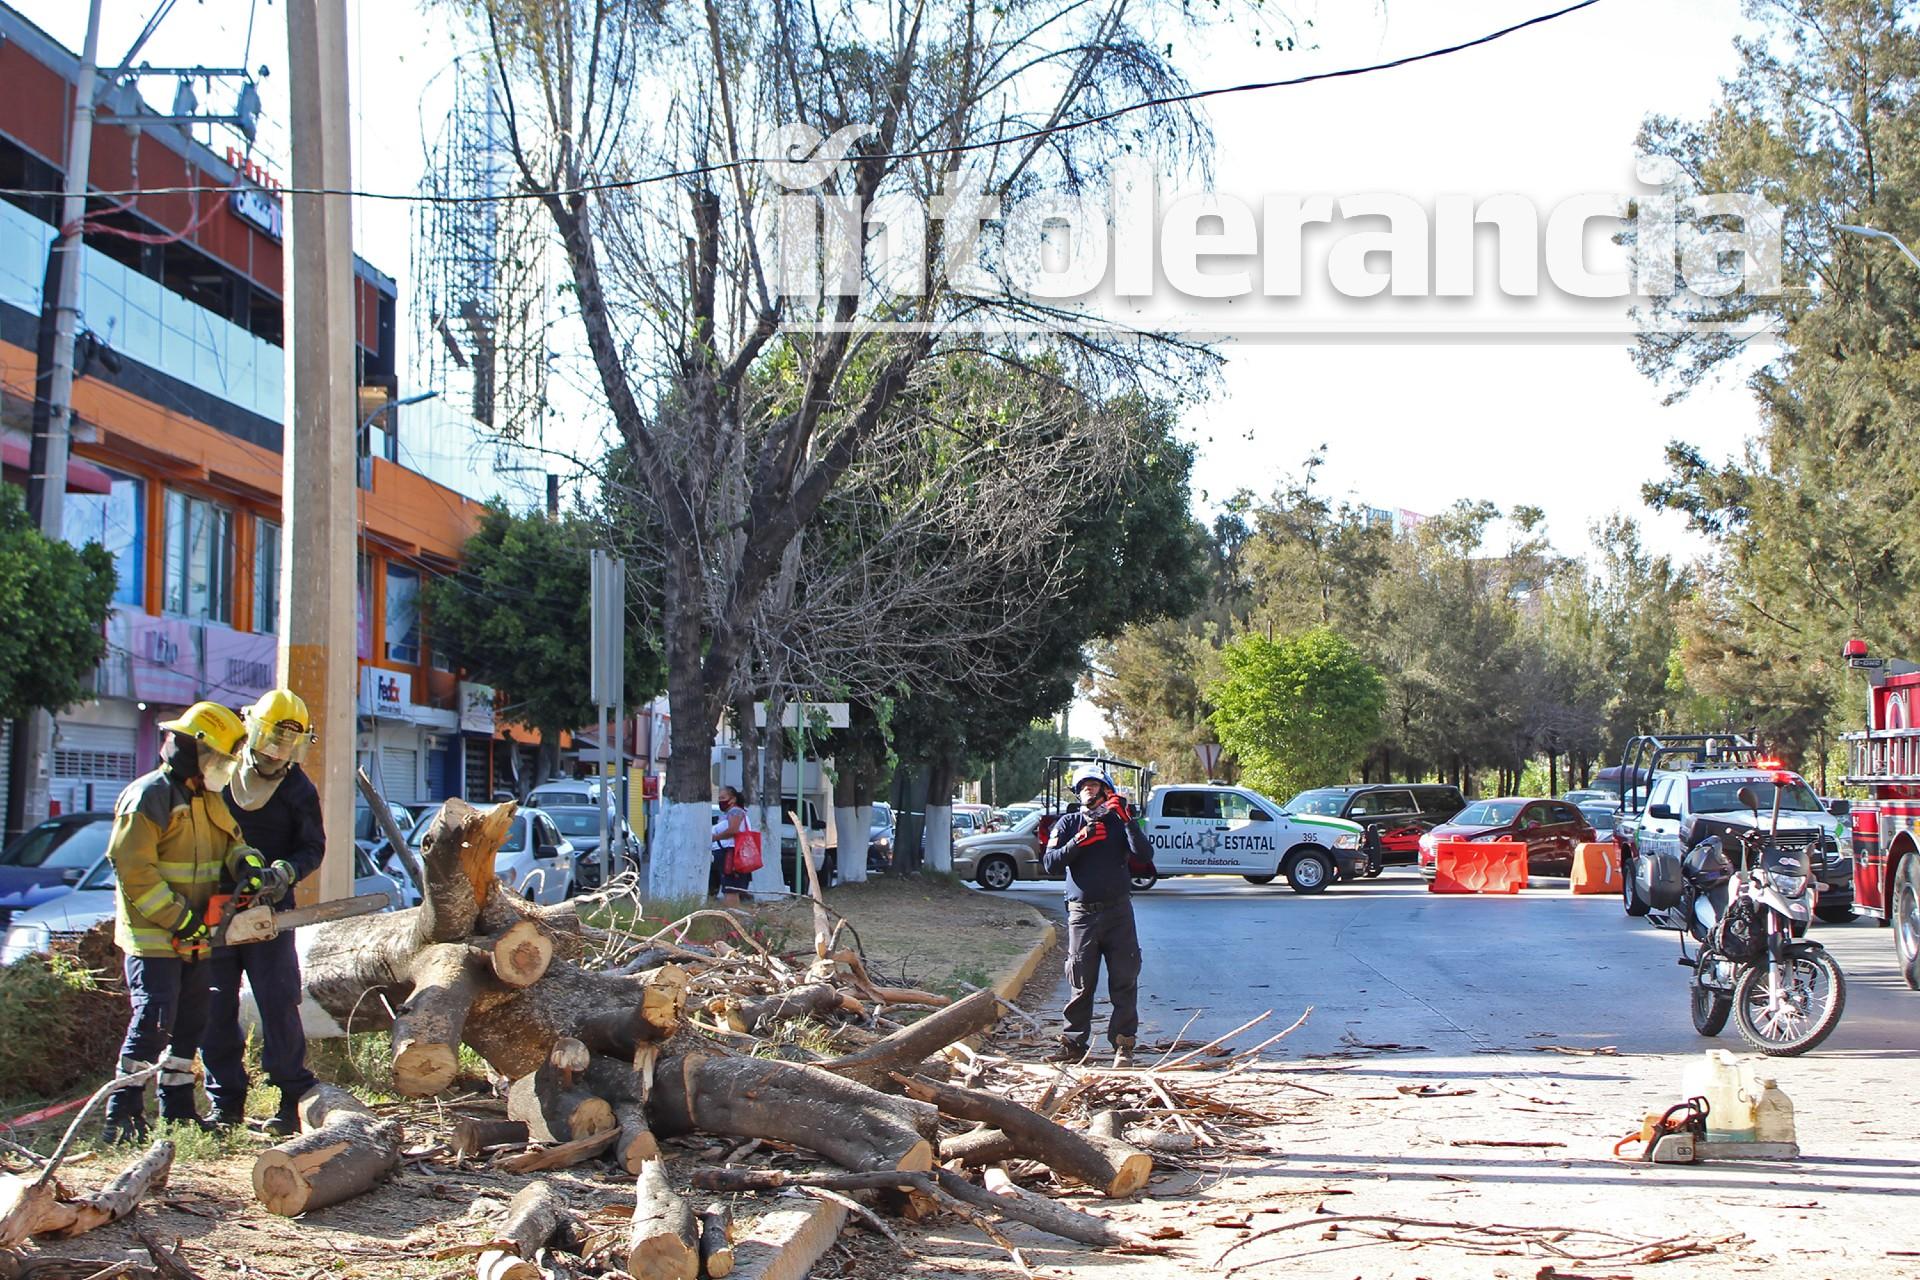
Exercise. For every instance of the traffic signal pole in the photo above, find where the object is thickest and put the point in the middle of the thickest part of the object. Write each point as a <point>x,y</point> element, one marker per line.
<point>318,656</point>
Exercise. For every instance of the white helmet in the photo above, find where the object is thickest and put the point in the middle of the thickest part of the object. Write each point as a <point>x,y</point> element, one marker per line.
<point>1090,773</point>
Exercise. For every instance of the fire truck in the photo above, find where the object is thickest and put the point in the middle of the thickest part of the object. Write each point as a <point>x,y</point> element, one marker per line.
<point>1886,829</point>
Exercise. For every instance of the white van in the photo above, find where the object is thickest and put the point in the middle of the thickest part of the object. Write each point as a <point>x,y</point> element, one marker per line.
<point>1214,830</point>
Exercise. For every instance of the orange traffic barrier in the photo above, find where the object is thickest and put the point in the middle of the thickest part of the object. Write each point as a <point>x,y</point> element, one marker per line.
<point>1596,868</point>
<point>1479,866</point>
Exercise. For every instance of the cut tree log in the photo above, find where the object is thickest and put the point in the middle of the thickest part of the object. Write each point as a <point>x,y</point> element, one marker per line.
<point>427,1030</point>
<point>36,1207</point>
<point>555,1112</point>
<point>716,1240</point>
<point>908,1047</point>
<point>564,1156</point>
<point>665,1241</point>
<point>848,1123</point>
<point>536,1216</point>
<point>520,956</point>
<point>1056,1219</point>
<point>619,1033</point>
<point>344,1149</point>
<point>1038,1138</point>
<point>985,1146</point>
<point>472,1136</point>
<point>119,1197</point>
<point>815,1000</point>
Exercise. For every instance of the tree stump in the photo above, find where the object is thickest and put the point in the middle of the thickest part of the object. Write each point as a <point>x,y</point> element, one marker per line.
<point>344,1149</point>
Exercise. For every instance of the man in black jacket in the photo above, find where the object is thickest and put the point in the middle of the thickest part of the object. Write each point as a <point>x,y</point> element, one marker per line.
<point>279,814</point>
<point>1090,845</point>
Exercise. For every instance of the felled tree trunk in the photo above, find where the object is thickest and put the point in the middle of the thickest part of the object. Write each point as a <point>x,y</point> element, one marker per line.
<point>848,1123</point>
<point>344,1149</point>
<point>1035,1136</point>
<point>908,1047</point>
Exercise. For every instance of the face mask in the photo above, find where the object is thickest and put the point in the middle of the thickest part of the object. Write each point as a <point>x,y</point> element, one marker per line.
<point>726,803</point>
<point>254,785</point>
<point>216,768</point>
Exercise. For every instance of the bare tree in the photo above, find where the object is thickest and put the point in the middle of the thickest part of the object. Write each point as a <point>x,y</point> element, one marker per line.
<point>747,369</point>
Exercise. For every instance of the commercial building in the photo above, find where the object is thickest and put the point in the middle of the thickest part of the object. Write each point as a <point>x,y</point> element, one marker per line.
<point>178,407</point>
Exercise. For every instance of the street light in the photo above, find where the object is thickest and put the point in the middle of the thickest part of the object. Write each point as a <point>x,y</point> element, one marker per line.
<point>1874,233</point>
<point>362,442</point>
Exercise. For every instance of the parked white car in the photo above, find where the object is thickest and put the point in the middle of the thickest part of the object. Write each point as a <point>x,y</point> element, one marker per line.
<point>534,860</point>
<point>72,914</point>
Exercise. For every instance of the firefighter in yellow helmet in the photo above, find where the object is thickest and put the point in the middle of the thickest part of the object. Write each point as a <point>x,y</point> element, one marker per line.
<point>278,810</point>
<point>173,842</point>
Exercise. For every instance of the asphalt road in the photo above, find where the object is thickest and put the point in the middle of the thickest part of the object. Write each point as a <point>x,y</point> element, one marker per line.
<point>1477,1058</point>
<point>1387,962</point>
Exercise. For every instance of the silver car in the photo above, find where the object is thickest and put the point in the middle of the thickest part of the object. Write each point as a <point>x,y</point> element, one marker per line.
<point>998,858</point>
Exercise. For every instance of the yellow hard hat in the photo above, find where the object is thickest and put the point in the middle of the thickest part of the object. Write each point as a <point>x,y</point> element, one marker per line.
<point>211,723</point>
<point>278,725</point>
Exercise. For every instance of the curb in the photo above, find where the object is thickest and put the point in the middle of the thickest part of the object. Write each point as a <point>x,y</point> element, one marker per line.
<point>785,1244</point>
<point>1017,977</point>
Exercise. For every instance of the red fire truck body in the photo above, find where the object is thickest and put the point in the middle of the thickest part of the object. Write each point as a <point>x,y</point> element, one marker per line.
<point>1886,828</point>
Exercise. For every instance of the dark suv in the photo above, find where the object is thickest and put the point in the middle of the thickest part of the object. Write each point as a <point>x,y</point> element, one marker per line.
<point>1402,812</point>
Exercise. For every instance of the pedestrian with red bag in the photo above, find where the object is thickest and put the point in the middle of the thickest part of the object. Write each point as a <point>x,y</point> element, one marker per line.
<point>734,859</point>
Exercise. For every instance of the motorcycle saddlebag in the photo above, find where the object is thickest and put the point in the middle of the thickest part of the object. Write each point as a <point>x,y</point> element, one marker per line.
<point>1665,879</point>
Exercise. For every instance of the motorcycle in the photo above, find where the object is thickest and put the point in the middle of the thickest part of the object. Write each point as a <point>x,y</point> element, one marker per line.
<point>1785,992</point>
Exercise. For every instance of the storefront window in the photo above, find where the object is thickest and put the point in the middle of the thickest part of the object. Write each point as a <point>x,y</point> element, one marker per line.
<point>403,615</point>
<point>266,576</point>
<point>117,521</point>
<point>199,560</point>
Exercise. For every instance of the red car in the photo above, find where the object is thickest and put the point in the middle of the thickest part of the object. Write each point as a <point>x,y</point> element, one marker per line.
<point>1550,828</point>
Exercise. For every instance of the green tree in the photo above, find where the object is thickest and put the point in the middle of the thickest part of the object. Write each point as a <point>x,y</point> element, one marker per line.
<point>518,615</point>
<point>1297,712</point>
<point>1815,521</point>
<point>55,599</point>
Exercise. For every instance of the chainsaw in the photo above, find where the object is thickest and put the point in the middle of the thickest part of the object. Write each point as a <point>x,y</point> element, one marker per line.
<point>239,918</point>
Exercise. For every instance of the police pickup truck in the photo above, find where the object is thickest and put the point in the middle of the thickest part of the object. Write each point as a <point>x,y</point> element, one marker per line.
<point>1195,831</point>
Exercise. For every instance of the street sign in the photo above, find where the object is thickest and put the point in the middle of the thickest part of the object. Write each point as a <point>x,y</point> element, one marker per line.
<point>1209,753</point>
<point>836,715</point>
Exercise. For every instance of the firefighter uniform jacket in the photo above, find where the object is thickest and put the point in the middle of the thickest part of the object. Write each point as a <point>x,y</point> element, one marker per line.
<point>169,850</point>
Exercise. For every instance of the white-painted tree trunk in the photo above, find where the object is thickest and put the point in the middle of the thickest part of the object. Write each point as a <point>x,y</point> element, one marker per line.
<point>850,832</point>
<point>682,851</point>
<point>767,879</point>
<point>938,842</point>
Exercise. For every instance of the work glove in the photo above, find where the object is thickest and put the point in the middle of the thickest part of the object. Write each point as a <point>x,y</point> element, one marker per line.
<point>190,930</point>
<point>249,873</point>
<point>277,882</point>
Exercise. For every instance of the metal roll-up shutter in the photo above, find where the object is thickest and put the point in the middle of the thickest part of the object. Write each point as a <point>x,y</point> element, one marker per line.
<point>6,766</point>
<point>479,753</point>
<point>92,763</point>
<point>399,767</point>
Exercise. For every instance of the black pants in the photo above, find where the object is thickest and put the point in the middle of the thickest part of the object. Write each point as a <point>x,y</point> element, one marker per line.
<point>720,880</point>
<point>272,969</point>
<point>169,998</point>
<point>1103,933</point>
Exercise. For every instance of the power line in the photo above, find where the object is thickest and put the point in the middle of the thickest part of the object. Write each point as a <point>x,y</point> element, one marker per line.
<point>723,166</point>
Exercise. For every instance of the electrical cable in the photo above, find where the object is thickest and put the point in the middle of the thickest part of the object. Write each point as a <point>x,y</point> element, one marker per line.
<point>1028,135</point>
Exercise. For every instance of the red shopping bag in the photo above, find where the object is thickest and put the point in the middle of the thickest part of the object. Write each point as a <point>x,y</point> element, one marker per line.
<point>745,856</point>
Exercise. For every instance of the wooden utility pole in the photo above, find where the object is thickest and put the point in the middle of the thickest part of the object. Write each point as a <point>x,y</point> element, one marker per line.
<point>32,762</point>
<point>318,599</point>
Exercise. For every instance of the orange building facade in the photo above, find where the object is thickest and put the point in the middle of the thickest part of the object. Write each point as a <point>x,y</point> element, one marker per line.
<point>177,454</point>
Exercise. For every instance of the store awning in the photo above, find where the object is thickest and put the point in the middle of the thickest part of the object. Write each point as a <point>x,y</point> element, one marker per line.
<point>82,476</point>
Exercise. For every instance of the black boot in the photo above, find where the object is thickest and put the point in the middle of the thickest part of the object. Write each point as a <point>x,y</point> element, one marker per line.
<point>286,1121</point>
<point>126,1120</point>
<point>178,1104</point>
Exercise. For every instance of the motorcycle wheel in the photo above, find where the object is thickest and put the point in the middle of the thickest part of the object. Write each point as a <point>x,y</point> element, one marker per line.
<point>1710,1007</point>
<point>1816,998</point>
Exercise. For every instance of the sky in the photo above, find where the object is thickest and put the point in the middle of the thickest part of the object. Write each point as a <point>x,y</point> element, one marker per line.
<point>1409,422</point>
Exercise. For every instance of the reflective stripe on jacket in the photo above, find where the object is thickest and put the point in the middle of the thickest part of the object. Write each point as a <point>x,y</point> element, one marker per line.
<point>169,851</point>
